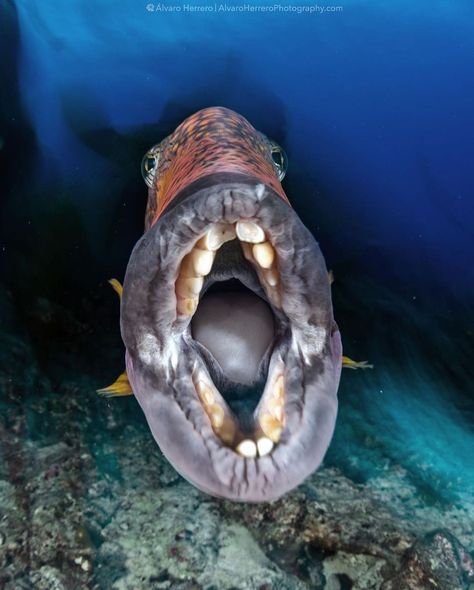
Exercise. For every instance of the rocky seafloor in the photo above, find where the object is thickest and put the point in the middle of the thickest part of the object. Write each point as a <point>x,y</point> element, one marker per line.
<point>87,501</point>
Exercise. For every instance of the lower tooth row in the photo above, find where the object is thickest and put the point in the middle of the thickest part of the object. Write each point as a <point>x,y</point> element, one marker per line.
<point>249,449</point>
<point>270,421</point>
<point>222,424</point>
<point>271,426</point>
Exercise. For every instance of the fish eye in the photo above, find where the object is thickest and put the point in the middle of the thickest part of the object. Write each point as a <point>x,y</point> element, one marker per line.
<point>278,155</point>
<point>150,164</point>
<point>280,160</point>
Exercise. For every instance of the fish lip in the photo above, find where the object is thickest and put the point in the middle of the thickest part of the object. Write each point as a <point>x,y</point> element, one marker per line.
<point>160,377</point>
<point>246,480</point>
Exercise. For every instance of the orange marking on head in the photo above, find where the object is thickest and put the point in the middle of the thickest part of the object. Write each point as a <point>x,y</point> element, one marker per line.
<point>210,141</point>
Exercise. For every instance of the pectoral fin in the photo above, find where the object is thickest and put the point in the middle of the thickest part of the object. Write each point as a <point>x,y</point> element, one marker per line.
<point>120,387</point>
<point>116,286</point>
<point>348,363</point>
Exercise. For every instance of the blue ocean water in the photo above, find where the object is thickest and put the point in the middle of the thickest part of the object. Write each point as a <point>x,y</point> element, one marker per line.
<point>373,105</point>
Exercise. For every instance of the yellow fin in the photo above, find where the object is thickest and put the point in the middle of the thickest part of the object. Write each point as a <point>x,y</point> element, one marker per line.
<point>117,287</point>
<point>120,387</point>
<point>348,363</point>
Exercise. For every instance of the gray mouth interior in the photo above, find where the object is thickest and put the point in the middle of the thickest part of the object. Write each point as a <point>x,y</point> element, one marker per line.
<point>236,327</point>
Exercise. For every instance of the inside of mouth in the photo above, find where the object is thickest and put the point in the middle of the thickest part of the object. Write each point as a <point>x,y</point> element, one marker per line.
<point>239,380</point>
<point>237,327</point>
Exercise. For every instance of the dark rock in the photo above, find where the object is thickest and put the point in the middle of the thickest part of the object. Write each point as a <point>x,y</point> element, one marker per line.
<point>438,560</point>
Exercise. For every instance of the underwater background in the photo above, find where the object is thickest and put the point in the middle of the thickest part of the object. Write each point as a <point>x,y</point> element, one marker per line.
<point>373,103</point>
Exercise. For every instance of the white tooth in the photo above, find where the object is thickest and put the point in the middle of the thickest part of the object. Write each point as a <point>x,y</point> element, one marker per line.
<point>216,236</point>
<point>278,413</point>
<point>264,254</point>
<point>216,415</point>
<point>208,397</point>
<point>205,392</point>
<point>273,403</point>
<point>189,286</point>
<point>279,387</point>
<point>271,276</point>
<point>186,306</point>
<point>271,427</point>
<point>227,431</point>
<point>247,448</point>
<point>264,446</point>
<point>202,261</point>
<point>247,231</point>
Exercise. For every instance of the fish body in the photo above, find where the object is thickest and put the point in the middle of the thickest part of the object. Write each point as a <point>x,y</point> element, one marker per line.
<point>231,345</point>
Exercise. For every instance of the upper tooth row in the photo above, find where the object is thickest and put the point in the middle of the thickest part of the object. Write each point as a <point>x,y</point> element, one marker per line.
<point>198,263</point>
<point>263,257</point>
<point>248,231</point>
<point>219,234</point>
<point>264,254</point>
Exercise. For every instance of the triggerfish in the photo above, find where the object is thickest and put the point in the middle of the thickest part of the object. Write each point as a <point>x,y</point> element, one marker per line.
<point>232,350</point>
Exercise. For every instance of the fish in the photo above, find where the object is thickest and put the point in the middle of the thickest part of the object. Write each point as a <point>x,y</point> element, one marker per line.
<point>232,349</point>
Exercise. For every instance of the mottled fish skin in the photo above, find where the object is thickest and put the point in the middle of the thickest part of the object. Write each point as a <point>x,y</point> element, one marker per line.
<point>216,168</point>
<point>214,140</point>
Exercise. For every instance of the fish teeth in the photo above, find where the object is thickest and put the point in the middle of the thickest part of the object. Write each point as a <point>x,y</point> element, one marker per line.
<point>227,431</point>
<point>189,286</point>
<point>272,415</point>
<point>222,424</point>
<point>264,446</point>
<point>264,254</point>
<point>247,448</point>
<point>216,414</point>
<point>278,390</point>
<point>270,422</point>
<point>205,393</point>
<point>271,427</point>
<point>196,265</point>
<point>186,306</point>
<point>271,277</point>
<point>202,261</point>
<point>248,231</point>
<point>219,234</point>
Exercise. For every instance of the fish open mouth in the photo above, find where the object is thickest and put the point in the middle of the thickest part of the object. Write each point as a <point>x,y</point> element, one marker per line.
<point>232,349</point>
